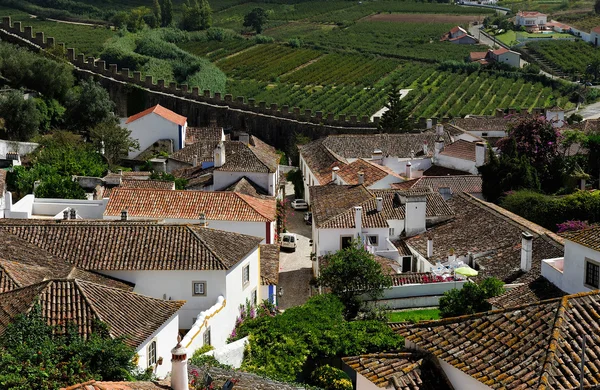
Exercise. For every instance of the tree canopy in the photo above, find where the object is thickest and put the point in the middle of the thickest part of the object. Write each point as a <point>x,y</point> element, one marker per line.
<point>395,119</point>
<point>256,19</point>
<point>196,15</point>
<point>471,298</point>
<point>89,105</point>
<point>350,273</point>
<point>21,117</point>
<point>113,141</point>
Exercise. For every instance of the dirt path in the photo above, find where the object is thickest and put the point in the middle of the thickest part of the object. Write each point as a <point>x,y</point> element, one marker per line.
<point>68,22</point>
<point>424,18</point>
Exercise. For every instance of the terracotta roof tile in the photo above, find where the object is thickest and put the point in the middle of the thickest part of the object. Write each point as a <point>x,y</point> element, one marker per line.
<point>477,55</point>
<point>269,264</point>
<point>531,346</point>
<point>131,175</point>
<point>81,303</point>
<point>462,149</point>
<point>372,172</point>
<point>530,13</point>
<point>467,183</point>
<point>589,237</point>
<point>102,385</point>
<point>197,134</point>
<point>137,246</point>
<point>246,381</point>
<point>247,187</point>
<point>171,204</point>
<point>143,184</point>
<point>483,124</point>
<point>161,111</point>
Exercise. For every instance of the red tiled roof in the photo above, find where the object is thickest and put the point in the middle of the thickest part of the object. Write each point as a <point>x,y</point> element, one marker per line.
<point>372,172</point>
<point>589,237</point>
<point>161,111</point>
<point>97,385</point>
<point>269,264</point>
<point>501,50</point>
<point>462,149</point>
<point>467,183</point>
<point>455,29</point>
<point>171,204</point>
<point>530,13</point>
<point>596,30</point>
<point>477,55</point>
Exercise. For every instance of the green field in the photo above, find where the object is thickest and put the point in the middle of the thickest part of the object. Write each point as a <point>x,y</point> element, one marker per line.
<point>414,315</point>
<point>511,38</point>
<point>569,57</point>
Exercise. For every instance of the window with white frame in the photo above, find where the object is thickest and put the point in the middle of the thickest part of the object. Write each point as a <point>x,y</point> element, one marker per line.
<point>373,239</point>
<point>391,232</point>
<point>206,337</point>
<point>152,353</point>
<point>199,288</point>
<point>592,274</point>
<point>246,274</point>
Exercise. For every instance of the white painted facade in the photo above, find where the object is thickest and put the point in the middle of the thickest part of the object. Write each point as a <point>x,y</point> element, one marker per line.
<point>511,58</point>
<point>153,127</point>
<point>268,181</point>
<point>456,163</point>
<point>30,206</point>
<point>594,37</point>
<point>165,338</point>
<point>530,20</point>
<point>569,272</point>
<point>22,148</point>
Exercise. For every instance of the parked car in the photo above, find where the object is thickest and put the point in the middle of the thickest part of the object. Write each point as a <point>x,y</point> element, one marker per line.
<point>299,204</point>
<point>308,218</point>
<point>288,241</point>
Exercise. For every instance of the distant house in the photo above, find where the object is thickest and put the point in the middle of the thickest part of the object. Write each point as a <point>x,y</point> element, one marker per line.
<point>531,20</point>
<point>501,55</point>
<point>156,123</point>
<point>459,36</point>
<point>595,35</point>
<point>461,155</point>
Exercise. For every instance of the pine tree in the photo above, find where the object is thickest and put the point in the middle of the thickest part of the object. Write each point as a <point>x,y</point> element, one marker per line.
<point>167,12</point>
<point>205,15</point>
<point>395,119</point>
<point>156,9</point>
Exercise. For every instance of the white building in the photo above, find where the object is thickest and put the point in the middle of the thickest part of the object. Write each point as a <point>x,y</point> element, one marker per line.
<point>224,210</point>
<point>595,35</point>
<point>149,325</point>
<point>30,207</point>
<point>531,19</point>
<point>2,192</point>
<point>460,155</point>
<point>156,123</point>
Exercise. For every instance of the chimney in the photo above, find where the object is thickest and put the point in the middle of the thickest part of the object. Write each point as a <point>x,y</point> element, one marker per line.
<point>72,214</point>
<point>526,251</point>
<point>429,247</point>
<point>124,215</point>
<point>379,203</point>
<point>425,148</point>
<point>358,218</point>
<point>439,129</point>
<point>194,160</point>
<point>120,172</point>
<point>334,175</point>
<point>408,169</point>
<point>377,155</point>
<point>244,138</point>
<point>361,178</point>
<point>219,155</point>
<point>203,221</point>
<point>439,146</point>
<point>429,123</point>
<point>479,154</point>
<point>179,369</point>
<point>414,219</point>
<point>66,214</point>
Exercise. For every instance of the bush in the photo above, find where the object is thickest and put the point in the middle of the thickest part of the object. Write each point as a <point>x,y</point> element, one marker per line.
<point>259,38</point>
<point>331,378</point>
<point>295,42</point>
<point>472,298</point>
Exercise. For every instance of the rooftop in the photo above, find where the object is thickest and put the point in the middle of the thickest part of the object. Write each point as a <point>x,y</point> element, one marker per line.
<point>138,245</point>
<point>102,385</point>
<point>197,134</point>
<point>464,183</point>
<point>79,302</point>
<point>530,13</point>
<point>462,149</point>
<point>373,172</point>
<point>141,184</point>
<point>589,237</point>
<point>530,346</point>
<point>269,264</point>
<point>172,204</point>
<point>246,186</point>
<point>162,112</point>
<point>484,124</point>
<point>436,170</point>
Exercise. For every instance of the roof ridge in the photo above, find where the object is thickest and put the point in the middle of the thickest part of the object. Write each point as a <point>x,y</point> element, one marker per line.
<point>7,273</point>
<point>89,303</point>
<point>553,344</point>
<point>243,198</point>
<point>203,242</point>
<point>255,155</point>
<point>321,223</point>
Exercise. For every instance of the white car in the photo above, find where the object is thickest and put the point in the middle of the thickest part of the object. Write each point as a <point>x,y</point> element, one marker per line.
<point>288,241</point>
<point>299,204</point>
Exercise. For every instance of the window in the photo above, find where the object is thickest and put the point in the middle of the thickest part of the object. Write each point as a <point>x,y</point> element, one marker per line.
<point>484,134</point>
<point>391,232</point>
<point>206,337</point>
<point>592,274</point>
<point>199,288</point>
<point>254,297</point>
<point>246,275</point>
<point>373,240</point>
<point>345,241</point>
<point>152,353</point>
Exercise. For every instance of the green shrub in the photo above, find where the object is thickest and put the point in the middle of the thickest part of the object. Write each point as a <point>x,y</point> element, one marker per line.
<point>259,38</point>
<point>331,378</point>
<point>295,42</point>
<point>471,298</point>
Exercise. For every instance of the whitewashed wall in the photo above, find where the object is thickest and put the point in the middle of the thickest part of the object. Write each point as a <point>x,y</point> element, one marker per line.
<point>573,278</point>
<point>213,318</point>
<point>456,163</point>
<point>30,205</point>
<point>231,354</point>
<point>22,148</point>
<point>166,339</point>
<point>266,181</point>
<point>150,129</point>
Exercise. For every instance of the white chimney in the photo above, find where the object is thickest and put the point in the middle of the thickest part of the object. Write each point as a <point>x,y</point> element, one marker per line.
<point>379,203</point>
<point>425,148</point>
<point>203,220</point>
<point>244,138</point>
<point>429,247</point>
<point>377,155</point>
<point>334,175</point>
<point>439,129</point>
<point>219,155</point>
<point>194,160</point>
<point>429,123</point>
<point>526,251</point>
<point>408,170</point>
<point>179,369</point>
<point>439,146</point>
<point>479,154</point>
<point>358,218</point>
<point>414,216</point>
<point>361,178</point>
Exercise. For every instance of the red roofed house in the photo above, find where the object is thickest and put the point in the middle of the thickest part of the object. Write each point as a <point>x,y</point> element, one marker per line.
<point>502,55</point>
<point>594,35</point>
<point>459,35</point>
<point>531,20</point>
<point>154,124</point>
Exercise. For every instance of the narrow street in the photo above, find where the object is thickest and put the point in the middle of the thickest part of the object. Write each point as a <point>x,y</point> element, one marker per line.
<point>295,268</point>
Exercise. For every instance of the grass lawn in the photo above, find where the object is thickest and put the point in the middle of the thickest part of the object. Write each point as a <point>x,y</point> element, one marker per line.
<point>510,37</point>
<point>414,315</point>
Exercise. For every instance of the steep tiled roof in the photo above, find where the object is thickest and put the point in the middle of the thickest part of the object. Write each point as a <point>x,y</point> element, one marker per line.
<point>462,149</point>
<point>483,124</point>
<point>201,149</point>
<point>588,237</point>
<point>388,266</point>
<point>477,55</point>
<point>143,184</point>
<point>80,303</point>
<point>221,206</point>
<point>399,370</point>
<point>161,111</point>
<point>246,381</point>
<point>535,346</point>
<point>269,264</point>
<point>137,246</point>
<point>436,170</point>
<point>246,186</point>
<point>320,160</point>
<point>266,153</point>
<point>412,278</point>
<point>405,185</point>
<point>197,177</point>
<point>23,264</point>
<point>131,175</point>
<point>240,157</point>
<point>467,183</point>
<point>197,134</point>
<point>436,205</point>
<point>2,181</point>
<point>372,172</point>
<point>102,385</point>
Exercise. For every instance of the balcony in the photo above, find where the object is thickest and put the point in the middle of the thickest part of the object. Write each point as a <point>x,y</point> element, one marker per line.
<point>552,269</point>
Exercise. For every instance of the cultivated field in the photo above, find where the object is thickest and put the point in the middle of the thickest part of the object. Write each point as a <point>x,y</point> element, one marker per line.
<point>425,18</point>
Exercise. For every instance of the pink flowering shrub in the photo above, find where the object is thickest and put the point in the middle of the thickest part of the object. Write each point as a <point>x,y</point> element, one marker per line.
<point>572,226</point>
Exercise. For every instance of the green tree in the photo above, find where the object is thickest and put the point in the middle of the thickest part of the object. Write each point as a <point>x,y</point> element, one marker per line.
<point>89,105</point>
<point>135,21</point>
<point>59,187</point>
<point>34,355</point>
<point>166,7</point>
<point>163,176</point>
<point>471,298</point>
<point>597,7</point>
<point>395,119</point>
<point>21,117</point>
<point>196,16</point>
<point>156,10</point>
<point>256,19</point>
<point>51,113</point>
<point>113,141</point>
<point>295,177</point>
<point>352,272</point>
